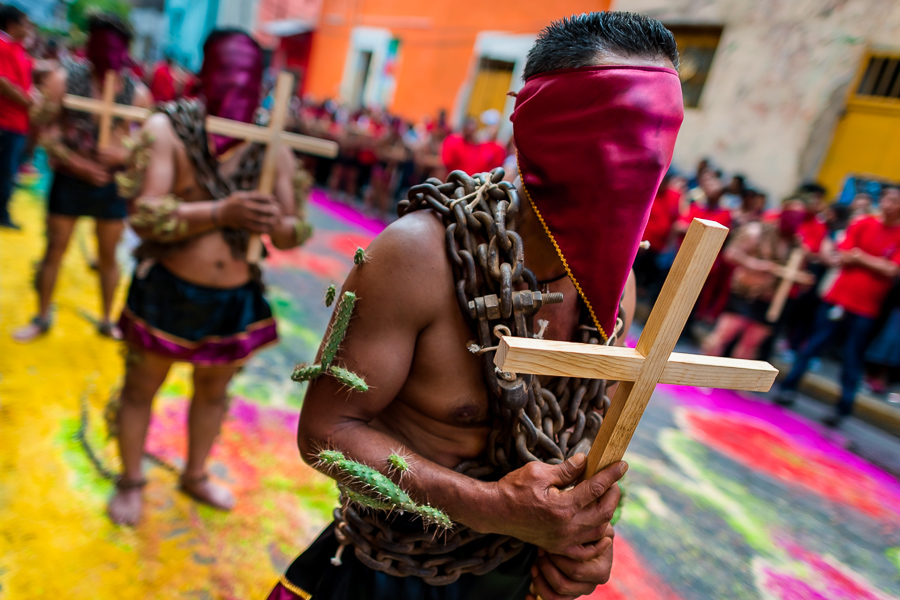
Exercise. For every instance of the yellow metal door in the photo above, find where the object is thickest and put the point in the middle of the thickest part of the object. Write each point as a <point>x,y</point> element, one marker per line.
<point>491,85</point>
<point>867,138</point>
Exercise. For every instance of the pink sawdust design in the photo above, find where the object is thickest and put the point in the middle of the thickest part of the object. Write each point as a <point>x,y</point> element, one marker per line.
<point>632,578</point>
<point>787,447</point>
<point>347,214</point>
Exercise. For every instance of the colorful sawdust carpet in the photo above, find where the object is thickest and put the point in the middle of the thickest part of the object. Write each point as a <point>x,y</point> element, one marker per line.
<point>728,497</point>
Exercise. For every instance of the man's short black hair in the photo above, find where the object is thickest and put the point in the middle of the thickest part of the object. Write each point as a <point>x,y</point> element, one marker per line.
<point>813,187</point>
<point>890,186</point>
<point>103,21</point>
<point>577,41</point>
<point>10,15</point>
<point>217,34</point>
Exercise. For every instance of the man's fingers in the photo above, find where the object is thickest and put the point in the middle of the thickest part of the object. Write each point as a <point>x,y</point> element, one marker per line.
<point>584,552</point>
<point>565,473</point>
<point>589,490</point>
<point>543,590</point>
<point>575,569</point>
<point>601,511</point>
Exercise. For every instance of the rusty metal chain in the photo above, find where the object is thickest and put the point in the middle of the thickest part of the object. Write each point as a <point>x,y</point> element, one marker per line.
<point>547,420</point>
<point>188,118</point>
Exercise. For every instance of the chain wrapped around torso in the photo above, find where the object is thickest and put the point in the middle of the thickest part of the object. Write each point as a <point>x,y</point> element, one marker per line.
<point>188,119</point>
<point>545,419</point>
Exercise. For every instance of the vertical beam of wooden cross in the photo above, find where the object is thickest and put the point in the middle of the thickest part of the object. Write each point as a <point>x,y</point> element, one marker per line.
<point>640,369</point>
<point>107,107</point>
<point>282,97</point>
<point>790,275</point>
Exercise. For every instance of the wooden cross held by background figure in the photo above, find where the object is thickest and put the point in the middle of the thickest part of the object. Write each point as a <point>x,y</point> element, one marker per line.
<point>639,369</point>
<point>789,275</point>
<point>273,135</point>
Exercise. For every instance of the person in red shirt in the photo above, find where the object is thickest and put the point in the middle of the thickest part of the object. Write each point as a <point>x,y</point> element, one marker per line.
<point>162,86</point>
<point>16,97</point>
<point>869,258</point>
<point>462,152</point>
<point>714,295</point>
<point>663,215</point>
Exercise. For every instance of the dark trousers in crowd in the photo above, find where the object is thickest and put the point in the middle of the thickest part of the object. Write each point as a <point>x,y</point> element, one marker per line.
<point>830,321</point>
<point>11,145</point>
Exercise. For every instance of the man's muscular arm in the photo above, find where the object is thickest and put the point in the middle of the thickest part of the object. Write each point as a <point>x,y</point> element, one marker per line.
<point>158,215</point>
<point>397,288</point>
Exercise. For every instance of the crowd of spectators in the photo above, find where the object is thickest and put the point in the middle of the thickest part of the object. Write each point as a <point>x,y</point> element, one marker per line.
<point>847,300</point>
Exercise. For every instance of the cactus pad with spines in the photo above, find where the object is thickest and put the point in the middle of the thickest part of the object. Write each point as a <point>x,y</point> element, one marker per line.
<point>359,257</point>
<point>338,328</point>
<point>398,463</point>
<point>349,379</point>
<point>381,491</point>
<point>330,293</point>
<point>307,372</point>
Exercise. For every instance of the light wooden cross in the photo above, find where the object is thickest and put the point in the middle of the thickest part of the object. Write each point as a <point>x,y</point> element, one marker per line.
<point>789,274</point>
<point>639,369</point>
<point>273,135</point>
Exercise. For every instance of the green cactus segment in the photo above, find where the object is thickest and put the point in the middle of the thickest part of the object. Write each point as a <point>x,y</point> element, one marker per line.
<point>350,379</point>
<point>434,516</point>
<point>338,328</point>
<point>330,293</point>
<point>383,494</point>
<point>359,257</point>
<point>398,463</point>
<point>307,372</point>
<point>366,501</point>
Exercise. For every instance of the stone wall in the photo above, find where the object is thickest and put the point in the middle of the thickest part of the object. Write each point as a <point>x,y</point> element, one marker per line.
<point>778,81</point>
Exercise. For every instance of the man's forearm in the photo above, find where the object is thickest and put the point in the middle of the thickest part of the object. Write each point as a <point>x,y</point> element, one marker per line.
<point>168,219</point>
<point>15,93</point>
<point>882,266</point>
<point>462,498</point>
<point>290,232</point>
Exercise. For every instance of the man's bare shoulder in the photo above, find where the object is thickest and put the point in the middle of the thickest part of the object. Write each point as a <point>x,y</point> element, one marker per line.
<point>417,238</point>
<point>159,128</point>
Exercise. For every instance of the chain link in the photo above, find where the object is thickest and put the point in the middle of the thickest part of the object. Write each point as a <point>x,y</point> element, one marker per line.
<point>533,419</point>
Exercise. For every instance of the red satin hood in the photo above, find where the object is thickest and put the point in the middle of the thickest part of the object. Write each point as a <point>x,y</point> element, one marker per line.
<point>593,145</point>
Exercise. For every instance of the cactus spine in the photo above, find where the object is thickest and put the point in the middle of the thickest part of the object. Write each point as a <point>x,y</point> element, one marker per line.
<point>381,492</point>
<point>348,378</point>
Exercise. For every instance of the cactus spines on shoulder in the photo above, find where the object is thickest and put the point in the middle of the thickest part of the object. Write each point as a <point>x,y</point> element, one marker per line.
<point>330,293</point>
<point>349,379</point>
<point>433,516</point>
<point>338,328</point>
<point>307,372</point>
<point>359,257</point>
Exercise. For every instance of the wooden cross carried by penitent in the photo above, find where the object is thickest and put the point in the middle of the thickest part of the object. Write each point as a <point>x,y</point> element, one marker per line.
<point>639,369</point>
<point>273,135</point>
<point>789,274</point>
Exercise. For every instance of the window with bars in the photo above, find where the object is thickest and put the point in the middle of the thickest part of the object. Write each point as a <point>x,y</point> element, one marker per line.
<point>881,78</point>
<point>697,46</point>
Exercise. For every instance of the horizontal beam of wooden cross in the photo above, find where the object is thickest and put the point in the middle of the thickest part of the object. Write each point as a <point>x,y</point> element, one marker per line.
<point>652,361</point>
<point>567,359</point>
<point>214,125</point>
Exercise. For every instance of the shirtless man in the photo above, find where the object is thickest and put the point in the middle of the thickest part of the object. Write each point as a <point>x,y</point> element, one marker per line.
<point>429,396</point>
<point>194,297</point>
<point>82,173</point>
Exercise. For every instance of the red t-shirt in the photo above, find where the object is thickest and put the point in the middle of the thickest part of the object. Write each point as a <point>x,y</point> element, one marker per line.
<point>15,66</point>
<point>663,215</point>
<point>720,215</point>
<point>457,153</point>
<point>812,233</point>
<point>493,155</point>
<point>163,85</point>
<point>858,289</point>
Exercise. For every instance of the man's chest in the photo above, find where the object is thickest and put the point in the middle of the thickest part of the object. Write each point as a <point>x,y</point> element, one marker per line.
<point>880,241</point>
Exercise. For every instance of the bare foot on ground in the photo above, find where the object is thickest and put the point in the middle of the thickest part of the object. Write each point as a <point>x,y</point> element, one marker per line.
<point>126,506</point>
<point>203,490</point>
<point>28,333</point>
